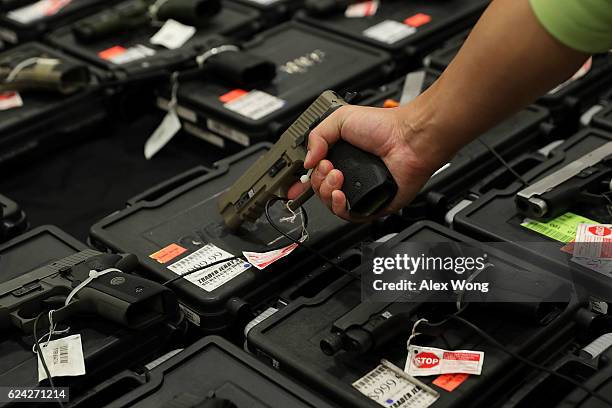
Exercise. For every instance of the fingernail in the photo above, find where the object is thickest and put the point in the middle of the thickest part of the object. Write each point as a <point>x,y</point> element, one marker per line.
<point>307,157</point>
<point>331,178</point>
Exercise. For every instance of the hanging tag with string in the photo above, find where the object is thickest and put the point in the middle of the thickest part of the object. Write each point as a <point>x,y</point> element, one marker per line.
<point>262,260</point>
<point>169,126</point>
<point>64,357</point>
<point>424,361</point>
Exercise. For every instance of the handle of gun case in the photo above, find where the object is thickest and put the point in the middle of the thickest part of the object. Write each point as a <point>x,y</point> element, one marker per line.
<point>368,183</point>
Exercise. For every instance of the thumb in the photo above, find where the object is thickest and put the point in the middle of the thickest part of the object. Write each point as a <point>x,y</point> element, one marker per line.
<point>324,136</point>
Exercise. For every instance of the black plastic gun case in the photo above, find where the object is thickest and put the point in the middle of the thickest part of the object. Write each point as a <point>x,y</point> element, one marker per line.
<point>566,102</point>
<point>292,339</point>
<point>107,347</point>
<point>586,363</point>
<point>408,30</point>
<point>39,120</point>
<point>308,61</point>
<point>129,51</point>
<point>12,219</point>
<point>176,226</point>
<point>33,20</point>
<point>495,216</point>
<point>212,371</point>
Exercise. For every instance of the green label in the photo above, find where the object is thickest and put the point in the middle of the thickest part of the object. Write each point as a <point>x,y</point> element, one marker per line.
<point>562,228</point>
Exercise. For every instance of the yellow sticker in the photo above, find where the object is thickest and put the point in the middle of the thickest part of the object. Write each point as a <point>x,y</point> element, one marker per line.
<point>562,228</point>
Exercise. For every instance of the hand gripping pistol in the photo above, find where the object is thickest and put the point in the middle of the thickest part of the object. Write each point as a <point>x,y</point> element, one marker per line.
<point>368,184</point>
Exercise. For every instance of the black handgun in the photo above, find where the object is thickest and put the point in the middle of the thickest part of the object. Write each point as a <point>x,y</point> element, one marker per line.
<point>139,13</point>
<point>586,180</point>
<point>118,296</point>
<point>368,326</point>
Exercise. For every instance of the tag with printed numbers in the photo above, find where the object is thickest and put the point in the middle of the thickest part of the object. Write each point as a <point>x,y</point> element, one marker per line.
<point>64,358</point>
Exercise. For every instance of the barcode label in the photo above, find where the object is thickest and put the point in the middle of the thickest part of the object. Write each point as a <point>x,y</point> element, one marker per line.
<point>255,105</point>
<point>388,388</point>
<point>211,278</point>
<point>60,354</point>
<point>63,357</point>
<point>562,228</point>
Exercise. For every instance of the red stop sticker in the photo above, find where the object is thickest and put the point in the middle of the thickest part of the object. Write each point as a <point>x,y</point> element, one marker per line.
<point>600,231</point>
<point>426,360</point>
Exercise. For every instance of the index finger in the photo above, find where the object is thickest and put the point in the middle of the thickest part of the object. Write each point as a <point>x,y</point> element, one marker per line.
<point>324,136</point>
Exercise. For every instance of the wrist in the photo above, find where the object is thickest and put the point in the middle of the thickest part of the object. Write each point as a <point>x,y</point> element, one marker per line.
<point>424,133</point>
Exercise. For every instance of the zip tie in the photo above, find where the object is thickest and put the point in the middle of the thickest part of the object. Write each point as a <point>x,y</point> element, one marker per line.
<point>201,59</point>
<point>93,274</point>
<point>20,67</point>
<point>306,177</point>
<point>414,332</point>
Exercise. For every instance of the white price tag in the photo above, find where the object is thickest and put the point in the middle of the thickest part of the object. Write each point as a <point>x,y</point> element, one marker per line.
<point>255,104</point>
<point>173,35</point>
<point>37,11</point>
<point>64,358</point>
<point>211,278</point>
<point>422,361</point>
<point>169,127</point>
<point>389,31</point>
<point>389,387</point>
<point>10,100</point>
<point>363,9</point>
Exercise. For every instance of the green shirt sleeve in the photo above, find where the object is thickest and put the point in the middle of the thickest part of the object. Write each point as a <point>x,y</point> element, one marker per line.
<point>584,25</point>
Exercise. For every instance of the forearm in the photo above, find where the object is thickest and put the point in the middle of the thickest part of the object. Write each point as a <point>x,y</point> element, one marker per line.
<point>507,62</point>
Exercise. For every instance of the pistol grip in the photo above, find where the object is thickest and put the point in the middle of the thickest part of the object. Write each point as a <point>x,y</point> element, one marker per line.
<point>368,184</point>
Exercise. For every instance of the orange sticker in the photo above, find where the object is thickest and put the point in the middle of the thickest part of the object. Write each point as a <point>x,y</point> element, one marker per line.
<point>449,382</point>
<point>111,52</point>
<point>168,253</point>
<point>418,20</point>
<point>232,95</point>
<point>391,103</point>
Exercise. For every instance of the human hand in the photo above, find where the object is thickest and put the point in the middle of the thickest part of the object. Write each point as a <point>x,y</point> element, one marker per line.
<point>388,134</point>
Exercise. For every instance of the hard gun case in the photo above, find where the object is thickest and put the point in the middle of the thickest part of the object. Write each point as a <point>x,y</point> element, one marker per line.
<point>15,30</point>
<point>275,11</point>
<point>210,368</point>
<point>332,62</point>
<point>493,215</point>
<point>107,347</point>
<point>289,339</point>
<point>408,30</point>
<point>233,20</point>
<point>183,212</point>
<point>47,121</point>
